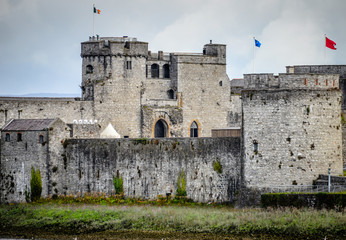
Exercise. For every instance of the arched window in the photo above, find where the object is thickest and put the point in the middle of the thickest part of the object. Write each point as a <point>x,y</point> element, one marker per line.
<point>166,71</point>
<point>170,94</point>
<point>41,139</point>
<point>161,128</point>
<point>155,71</point>
<point>89,69</point>
<point>7,137</point>
<point>194,129</point>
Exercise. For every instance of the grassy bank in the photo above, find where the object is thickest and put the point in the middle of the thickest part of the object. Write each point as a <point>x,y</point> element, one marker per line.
<point>82,218</point>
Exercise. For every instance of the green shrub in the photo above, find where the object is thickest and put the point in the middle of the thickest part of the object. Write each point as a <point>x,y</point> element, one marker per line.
<point>217,166</point>
<point>35,184</point>
<point>181,190</point>
<point>140,141</point>
<point>298,200</point>
<point>118,185</point>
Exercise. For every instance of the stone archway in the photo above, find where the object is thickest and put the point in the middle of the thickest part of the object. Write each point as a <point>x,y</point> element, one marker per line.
<point>161,129</point>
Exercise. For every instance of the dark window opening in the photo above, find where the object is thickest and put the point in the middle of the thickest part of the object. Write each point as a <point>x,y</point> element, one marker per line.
<point>7,137</point>
<point>170,94</point>
<point>89,69</point>
<point>255,146</point>
<point>19,137</point>
<point>161,129</point>
<point>155,71</point>
<point>194,129</point>
<point>41,139</point>
<point>166,71</point>
<point>220,83</point>
<point>127,45</point>
<point>128,65</point>
<point>5,115</point>
<point>126,136</point>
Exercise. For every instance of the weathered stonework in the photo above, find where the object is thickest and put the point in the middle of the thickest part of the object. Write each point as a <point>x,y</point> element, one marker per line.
<point>120,78</point>
<point>291,128</point>
<point>17,158</point>
<point>151,167</point>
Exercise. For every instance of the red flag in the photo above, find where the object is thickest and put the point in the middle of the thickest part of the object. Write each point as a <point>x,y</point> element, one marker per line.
<point>330,44</point>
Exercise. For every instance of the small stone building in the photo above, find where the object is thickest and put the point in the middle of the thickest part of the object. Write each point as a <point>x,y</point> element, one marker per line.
<point>27,143</point>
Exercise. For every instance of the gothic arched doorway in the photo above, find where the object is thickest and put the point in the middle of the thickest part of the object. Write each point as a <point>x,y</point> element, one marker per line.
<point>161,128</point>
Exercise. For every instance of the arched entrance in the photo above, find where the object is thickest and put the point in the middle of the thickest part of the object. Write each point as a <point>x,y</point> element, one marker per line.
<point>161,128</point>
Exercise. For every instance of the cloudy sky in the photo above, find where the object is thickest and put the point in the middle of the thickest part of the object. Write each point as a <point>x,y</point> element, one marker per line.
<point>40,39</point>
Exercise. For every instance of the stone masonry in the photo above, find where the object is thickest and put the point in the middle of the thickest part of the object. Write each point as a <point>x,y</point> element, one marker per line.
<point>291,128</point>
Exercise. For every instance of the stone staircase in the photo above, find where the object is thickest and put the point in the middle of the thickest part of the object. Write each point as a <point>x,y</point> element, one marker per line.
<point>337,183</point>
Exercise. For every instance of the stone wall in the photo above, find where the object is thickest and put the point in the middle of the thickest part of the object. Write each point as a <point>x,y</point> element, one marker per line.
<point>156,89</point>
<point>151,167</point>
<point>67,109</point>
<point>290,135</point>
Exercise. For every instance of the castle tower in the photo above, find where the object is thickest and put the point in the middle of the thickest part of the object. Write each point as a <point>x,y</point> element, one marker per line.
<point>291,128</point>
<point>204,89</point>
<point>113,71</point>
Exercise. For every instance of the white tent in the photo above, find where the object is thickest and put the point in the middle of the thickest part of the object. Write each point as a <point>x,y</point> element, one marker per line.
<point>109,132</point>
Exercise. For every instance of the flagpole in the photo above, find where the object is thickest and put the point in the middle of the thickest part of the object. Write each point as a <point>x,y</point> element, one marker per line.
<point>253,42</point>
<point>93,20</point>
<point>325,43</point>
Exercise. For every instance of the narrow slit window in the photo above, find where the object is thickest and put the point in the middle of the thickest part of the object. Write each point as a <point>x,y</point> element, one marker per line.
<point>19,137</point>
<point>41,139</point>
<point>7,137</point>
<point>255,146</point>
<point>128,65</point>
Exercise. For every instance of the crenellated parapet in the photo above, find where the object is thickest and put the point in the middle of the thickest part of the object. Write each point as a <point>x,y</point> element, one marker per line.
<point>291,81</point>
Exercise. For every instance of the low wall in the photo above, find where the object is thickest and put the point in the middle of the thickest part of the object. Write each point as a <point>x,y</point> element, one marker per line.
<point>151,167</point>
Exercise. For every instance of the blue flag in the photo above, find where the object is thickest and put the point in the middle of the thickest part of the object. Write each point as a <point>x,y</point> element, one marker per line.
<point>257,43</point>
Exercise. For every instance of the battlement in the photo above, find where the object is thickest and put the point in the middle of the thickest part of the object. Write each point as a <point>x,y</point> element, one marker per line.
<point>324,69</point>
<point>291,81</point>
<point>114,46</point>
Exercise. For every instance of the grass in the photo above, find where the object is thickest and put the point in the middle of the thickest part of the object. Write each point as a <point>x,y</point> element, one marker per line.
<point>84,218</point>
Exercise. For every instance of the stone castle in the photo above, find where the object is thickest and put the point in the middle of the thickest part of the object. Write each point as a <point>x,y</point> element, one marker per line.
<point>180,113</point>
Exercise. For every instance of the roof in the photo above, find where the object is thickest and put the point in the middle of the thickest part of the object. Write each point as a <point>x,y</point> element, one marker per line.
<point>28,124</point>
